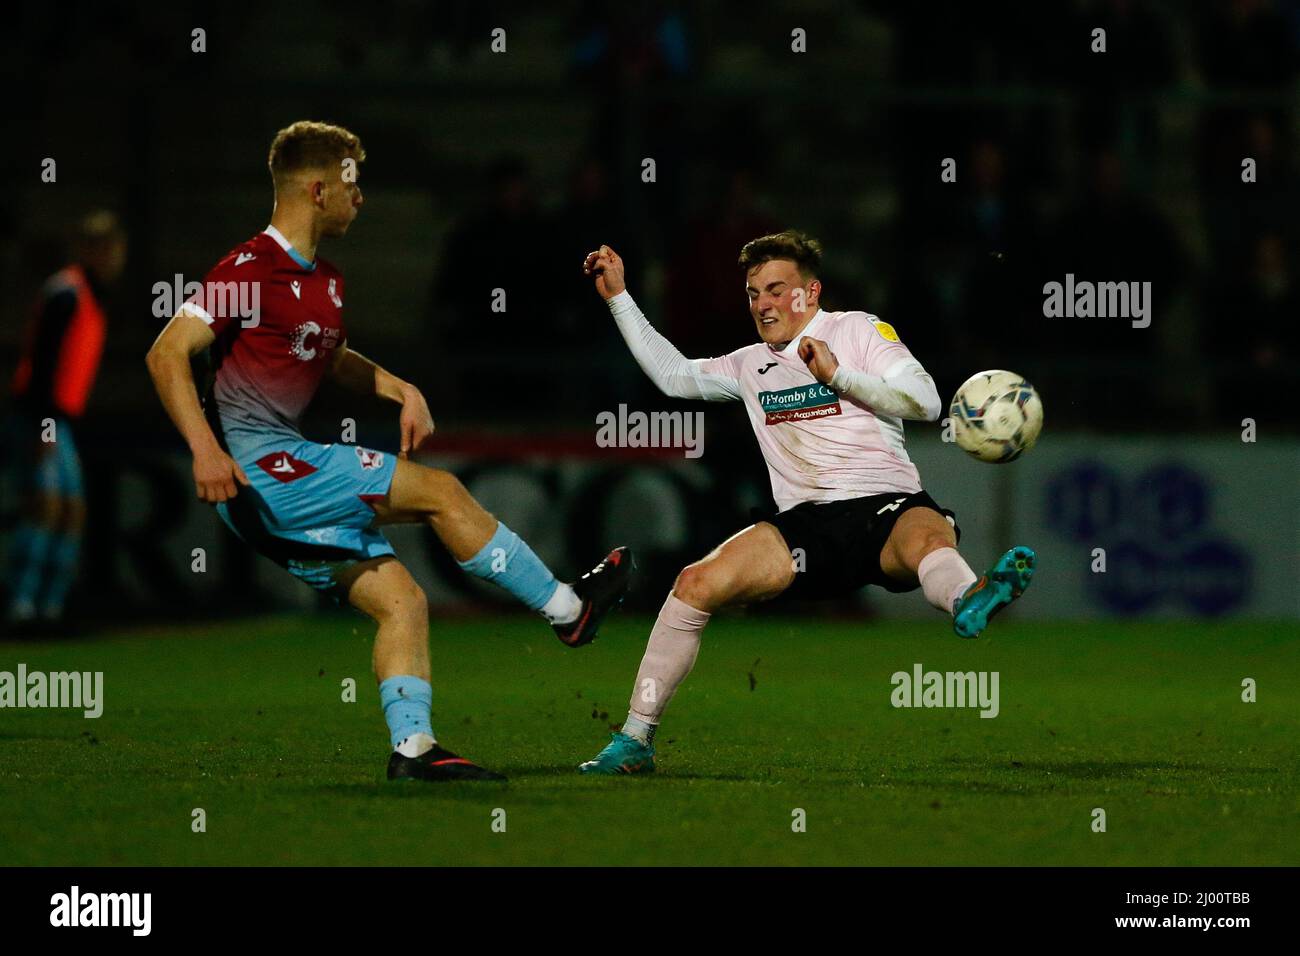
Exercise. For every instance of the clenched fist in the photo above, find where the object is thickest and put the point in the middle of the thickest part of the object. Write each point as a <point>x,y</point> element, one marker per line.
<point>819,358</point>
<point>217,476</point>
<point>607,267</point>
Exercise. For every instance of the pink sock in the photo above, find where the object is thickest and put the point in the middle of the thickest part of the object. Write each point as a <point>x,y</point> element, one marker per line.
<point>669,656</point>
<point>945,576</point>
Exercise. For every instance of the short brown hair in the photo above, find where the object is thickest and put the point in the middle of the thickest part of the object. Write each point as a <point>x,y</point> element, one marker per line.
<point>804,251</point>
<point>310,145</point>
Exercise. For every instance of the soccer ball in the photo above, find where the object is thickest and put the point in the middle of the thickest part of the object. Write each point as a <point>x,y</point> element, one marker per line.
<point>996,416</point>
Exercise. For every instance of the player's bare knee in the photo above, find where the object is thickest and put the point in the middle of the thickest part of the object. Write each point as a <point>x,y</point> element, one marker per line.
<point>927,543</point>
<point>695,586</point>
<point>401,600</point>
<point>410,603</point>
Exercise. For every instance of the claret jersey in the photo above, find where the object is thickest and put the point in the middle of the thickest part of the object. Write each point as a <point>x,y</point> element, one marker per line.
<point>277,319</point>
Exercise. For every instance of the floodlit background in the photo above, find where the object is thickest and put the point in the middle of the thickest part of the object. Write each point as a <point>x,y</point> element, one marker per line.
<point>501,170</point>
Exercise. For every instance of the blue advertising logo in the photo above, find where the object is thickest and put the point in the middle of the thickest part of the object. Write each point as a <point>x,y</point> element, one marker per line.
<point>1157,531</point>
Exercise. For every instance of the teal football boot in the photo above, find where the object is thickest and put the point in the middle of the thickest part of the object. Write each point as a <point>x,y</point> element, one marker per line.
<point>623,754</point>
<point>1005,582</point>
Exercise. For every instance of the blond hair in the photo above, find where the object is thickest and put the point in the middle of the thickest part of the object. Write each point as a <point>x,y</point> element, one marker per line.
<point>307,144</point>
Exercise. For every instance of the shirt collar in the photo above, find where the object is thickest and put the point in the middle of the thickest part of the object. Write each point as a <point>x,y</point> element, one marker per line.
<point>283,243</point>
<point>792,347</point>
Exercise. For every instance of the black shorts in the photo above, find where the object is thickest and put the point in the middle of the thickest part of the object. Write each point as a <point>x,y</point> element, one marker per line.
<point>836,545</point>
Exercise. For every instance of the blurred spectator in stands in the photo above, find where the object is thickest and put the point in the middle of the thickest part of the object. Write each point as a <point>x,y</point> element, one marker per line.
<point>1251,327</point>
<point>1237,212</point>
<point>1112,233</point>
<point>498,246</point>
<point>1246,43</point>
<point>635,41</point>
<point>1248,48</point>
<point>627,58</point>
<point>51,387</point>
<point>591,213</point>
<point>969,259</point>
<point>705,309</point>
<point>1139,60</point>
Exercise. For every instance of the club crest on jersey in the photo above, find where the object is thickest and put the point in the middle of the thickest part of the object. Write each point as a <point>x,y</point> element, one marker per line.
<point>799,403</point>
<point>282,466</point>
<point>370,460</point>
<point>334,295</point>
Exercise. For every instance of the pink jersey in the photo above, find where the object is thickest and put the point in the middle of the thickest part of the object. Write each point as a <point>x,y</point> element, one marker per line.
<point>818,445</point>
<point>269,364</point>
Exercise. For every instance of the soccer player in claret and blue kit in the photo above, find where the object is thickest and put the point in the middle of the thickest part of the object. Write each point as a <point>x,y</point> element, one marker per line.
<point>271,312</point>
<point>826,394</point>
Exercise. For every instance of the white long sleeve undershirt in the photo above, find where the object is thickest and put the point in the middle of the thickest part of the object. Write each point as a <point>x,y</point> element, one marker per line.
<point>906,390</point>
<point>673,373</point>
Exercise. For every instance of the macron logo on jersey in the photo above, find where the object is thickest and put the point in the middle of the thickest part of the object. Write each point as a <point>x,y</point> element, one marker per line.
<point>283,467</point>
<point>296,286</point>
<point>334,294</point>
<point>244,257</point>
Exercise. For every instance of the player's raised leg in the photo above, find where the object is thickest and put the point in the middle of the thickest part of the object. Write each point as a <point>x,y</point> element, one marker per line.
<point>922,547</point>
<point>753,565</point>
<point>486,548</point>
<point>385,590</point>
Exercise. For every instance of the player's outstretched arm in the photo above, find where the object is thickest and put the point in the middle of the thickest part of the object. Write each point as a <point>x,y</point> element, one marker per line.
<point>906,390</point>
<point>357,373</point>
<point>674,374</point>
<point>217,476</point>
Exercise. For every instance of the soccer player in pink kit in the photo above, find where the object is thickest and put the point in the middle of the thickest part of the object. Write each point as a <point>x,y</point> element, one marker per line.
<point>272,314</point>
<point>825,393</point>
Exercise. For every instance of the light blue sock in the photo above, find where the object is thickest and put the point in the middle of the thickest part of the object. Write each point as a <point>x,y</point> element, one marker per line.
<point>406,701</point>
<point>64,562</point>
<point>27,557</point>
<point>508,561</point>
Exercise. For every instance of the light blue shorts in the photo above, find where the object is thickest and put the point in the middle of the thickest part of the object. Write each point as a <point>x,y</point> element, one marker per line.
<point>309,507</point>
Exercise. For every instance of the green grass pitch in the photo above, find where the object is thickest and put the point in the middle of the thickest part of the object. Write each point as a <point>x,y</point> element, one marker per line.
<point>245,719</point>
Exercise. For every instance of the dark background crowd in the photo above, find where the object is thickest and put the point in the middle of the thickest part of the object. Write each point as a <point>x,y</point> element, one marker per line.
<point>500,170</point>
